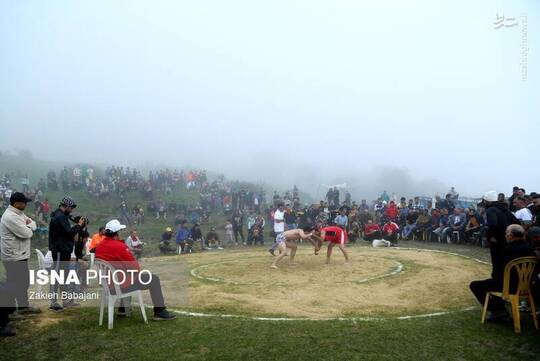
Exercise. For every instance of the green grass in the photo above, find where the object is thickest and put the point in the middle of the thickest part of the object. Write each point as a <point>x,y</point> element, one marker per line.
<point>453,337</point>
<point>75,335</point>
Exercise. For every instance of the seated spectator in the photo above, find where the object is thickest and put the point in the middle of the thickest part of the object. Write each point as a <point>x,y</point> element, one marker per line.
<point>212,239</point>
<point>134,244</point>
<point>113,250</point>
<point>474,224</point>
<point>423,222</point>
<point>165,243</point>
<point>96,239</point>
<point>390,231</point>
<point>196,236</point>
<point>515,247</point>
<point>372,231</point>
<point>456,222</point>
<point>443,223</point>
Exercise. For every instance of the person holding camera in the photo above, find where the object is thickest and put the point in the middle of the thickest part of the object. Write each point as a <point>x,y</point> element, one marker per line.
<point>61,243</point>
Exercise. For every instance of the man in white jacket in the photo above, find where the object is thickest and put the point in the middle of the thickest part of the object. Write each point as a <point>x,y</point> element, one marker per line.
<point>16,230</point>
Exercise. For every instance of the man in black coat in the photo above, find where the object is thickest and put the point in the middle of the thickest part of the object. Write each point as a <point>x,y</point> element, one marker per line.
<point>515,247</point>
<point>61,241</point>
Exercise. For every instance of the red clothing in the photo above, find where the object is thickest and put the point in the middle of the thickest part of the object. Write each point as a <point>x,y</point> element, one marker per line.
<point>118,255</point>
<point>335,234</point>
<point>390,228</point>
<point>371,227</point>
<point>392,211</point>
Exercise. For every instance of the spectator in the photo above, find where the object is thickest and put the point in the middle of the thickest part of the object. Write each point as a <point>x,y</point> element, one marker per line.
<point>372,231</point>
<point>196,235</point>
<point>114,251</point>
<point>443,223</point>
<point>342,221</point>
<point>96,239</point>
<point>474,223</point>
<point>456,222</point>
<point>165,243</point>
<point>498,218</point>
<point>16,230</point>
<point>229,235</point>
<point>134,244</point>
<point>392,211</point>
<point>182,236</point>
<point>515,193</point>
<point>521,211</point>
<point>390,231</point>
<point>212,239</point>
<point>61,243</point>
<point>238,227</point>
<point>515,247</point>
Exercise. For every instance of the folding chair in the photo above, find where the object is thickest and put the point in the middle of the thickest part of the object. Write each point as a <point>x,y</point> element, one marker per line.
<point>524,268</point>
<point>105,268</point>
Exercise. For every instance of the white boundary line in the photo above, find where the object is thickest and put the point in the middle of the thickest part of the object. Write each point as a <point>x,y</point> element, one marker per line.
<point>195,272</point>
<point>354,319</point>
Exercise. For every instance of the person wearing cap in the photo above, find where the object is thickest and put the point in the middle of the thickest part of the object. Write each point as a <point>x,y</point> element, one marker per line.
<point>16,230</point>
<point>61,243</point>
<point>165,243</point>
<point>498,218</point>
<point>113,250</point>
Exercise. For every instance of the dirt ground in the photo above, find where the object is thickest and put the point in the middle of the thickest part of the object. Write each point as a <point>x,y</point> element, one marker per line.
<point>241,282</point>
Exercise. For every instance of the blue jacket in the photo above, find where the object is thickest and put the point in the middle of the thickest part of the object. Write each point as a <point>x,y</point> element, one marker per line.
<point>182,235</point>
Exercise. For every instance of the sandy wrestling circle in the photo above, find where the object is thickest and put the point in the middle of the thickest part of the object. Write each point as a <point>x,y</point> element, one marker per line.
<point>377,283</point>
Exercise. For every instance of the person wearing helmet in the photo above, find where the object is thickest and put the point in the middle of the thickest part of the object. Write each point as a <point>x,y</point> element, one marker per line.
<point>61,243</point>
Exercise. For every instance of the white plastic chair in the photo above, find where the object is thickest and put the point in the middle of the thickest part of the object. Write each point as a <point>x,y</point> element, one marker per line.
<point>42,264</point>
<point>105,268</point>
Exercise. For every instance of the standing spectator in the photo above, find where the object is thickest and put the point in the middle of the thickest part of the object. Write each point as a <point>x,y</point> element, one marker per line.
<point>25,183</point>
<point>161,210</point>
<point>290,218</point>
<point>229,236</point>
<point>182,236</point>
<point>61,243</point>
<point>238,226</point>
<point>521,211</point>
<point>341,220</point>
<point>515,193</point>
<point>498,218</point>
<point>16,230</point>
<point>279,225</point>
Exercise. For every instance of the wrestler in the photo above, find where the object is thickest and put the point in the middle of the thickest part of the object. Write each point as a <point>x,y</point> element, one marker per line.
<point>287,240</point>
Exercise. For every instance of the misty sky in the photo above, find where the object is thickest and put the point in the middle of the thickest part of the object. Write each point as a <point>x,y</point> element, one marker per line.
<point>281,92</point>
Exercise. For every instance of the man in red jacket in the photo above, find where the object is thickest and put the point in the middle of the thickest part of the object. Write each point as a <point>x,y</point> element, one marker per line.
<point>113,250</point>
<point>390,231</point>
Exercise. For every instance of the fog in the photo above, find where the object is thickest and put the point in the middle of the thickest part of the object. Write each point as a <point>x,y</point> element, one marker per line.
<point>412,97</point>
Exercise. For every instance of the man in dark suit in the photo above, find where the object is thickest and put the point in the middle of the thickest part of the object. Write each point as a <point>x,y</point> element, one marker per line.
<point>515,247</point>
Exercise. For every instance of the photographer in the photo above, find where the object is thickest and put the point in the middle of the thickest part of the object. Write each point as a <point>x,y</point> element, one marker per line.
<point>61,242</point>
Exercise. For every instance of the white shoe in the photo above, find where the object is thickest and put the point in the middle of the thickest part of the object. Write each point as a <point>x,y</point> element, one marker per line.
<point>220,247</point>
